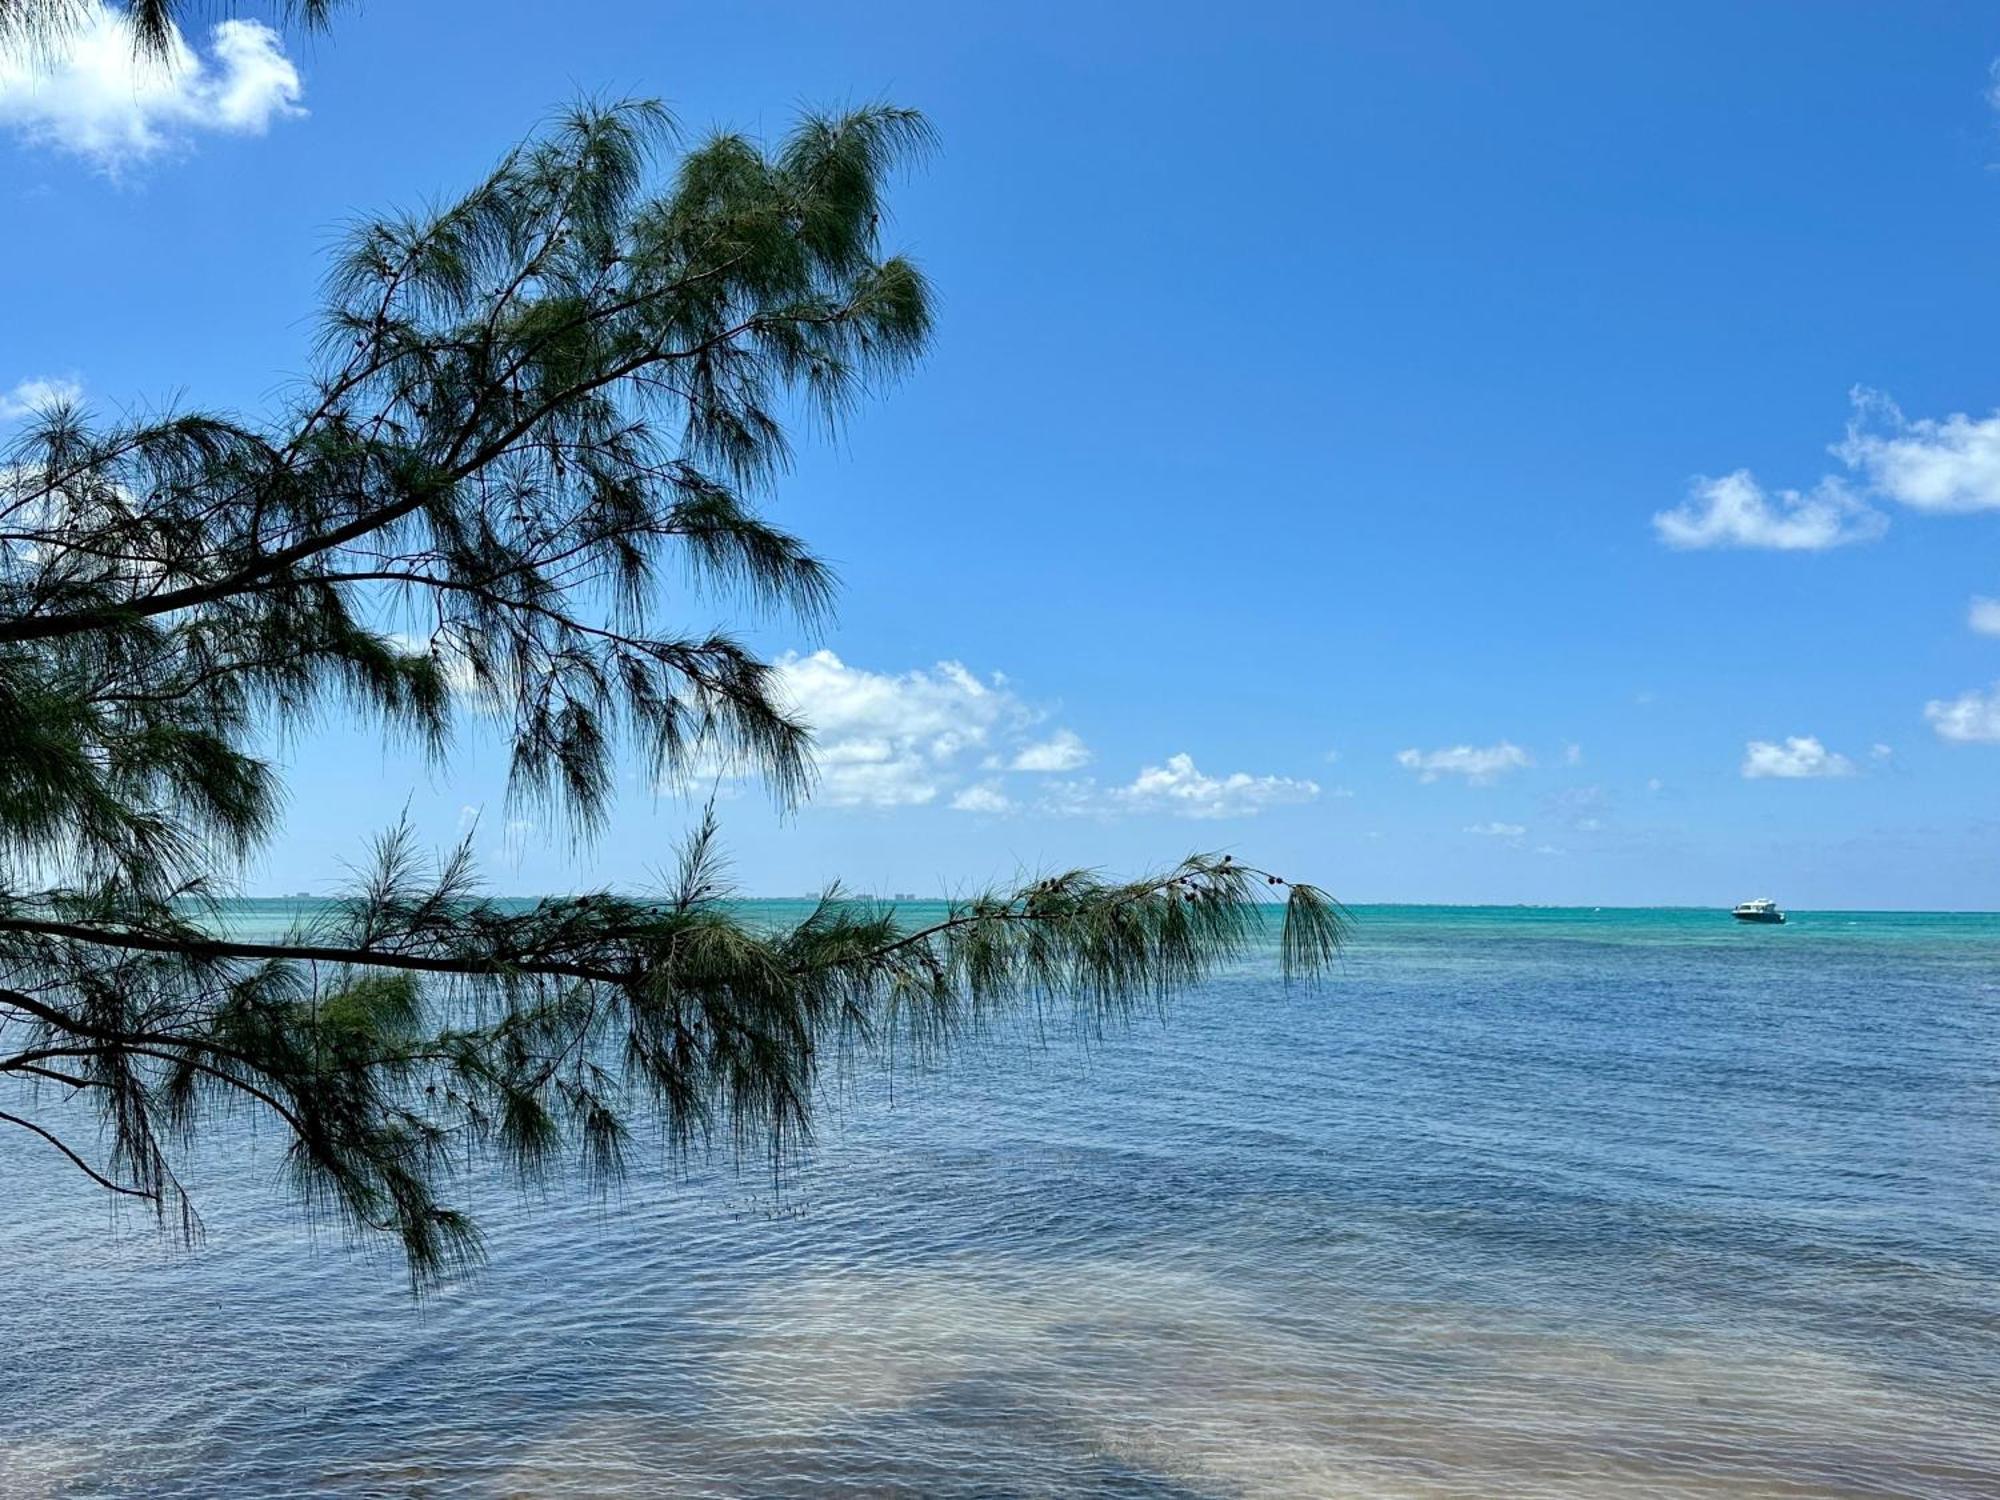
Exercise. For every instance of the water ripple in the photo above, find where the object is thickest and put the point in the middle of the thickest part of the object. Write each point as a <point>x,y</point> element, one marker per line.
<point>1584,1205</point>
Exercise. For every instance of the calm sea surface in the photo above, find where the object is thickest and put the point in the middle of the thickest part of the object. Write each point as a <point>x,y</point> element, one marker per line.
<point>1522,1202</point>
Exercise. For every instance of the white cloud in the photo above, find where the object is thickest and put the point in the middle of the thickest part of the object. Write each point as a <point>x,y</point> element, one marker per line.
<point>1949,466</point>
<point>1178,787</point>
<point>1477,764</point>
<point>1945,466</point>
<point>1572,755</point>
<point>1736,511</point>
<point>1882,752</point>
<point>101,100</point>
<point>1548,849</point>
<point>945,707</point>
<point>1983,616</point>
<point>1800,757</point>
<point>883,740</point>
<point>1654,784</point>
<point>1972,718</point>
<point>1061,751</point>
<point>1497,830</point>
<point>37,394</point>
<point>943,736</point>
<point>986,797</point>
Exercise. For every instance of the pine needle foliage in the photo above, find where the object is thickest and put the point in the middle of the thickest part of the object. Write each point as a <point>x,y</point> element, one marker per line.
<point>536,410</point>
<point>43,30</point>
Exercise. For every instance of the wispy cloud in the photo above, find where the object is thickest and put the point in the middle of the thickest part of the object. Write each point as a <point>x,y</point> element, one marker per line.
<point>1478,764</point>
<point>1177,788</point>
<point>1581,809</point>
<point>103,101</point>
<point>1737,511</point>
<point>1799,758</point>
<point>1497,830</point>
<point>985,797</point>
<point>1061,751</point>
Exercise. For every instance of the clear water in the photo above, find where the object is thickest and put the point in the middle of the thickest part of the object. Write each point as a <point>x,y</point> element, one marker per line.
<point>1535,1203</point>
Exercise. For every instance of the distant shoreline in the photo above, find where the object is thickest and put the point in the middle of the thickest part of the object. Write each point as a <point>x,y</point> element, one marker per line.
<point>1356,907</point>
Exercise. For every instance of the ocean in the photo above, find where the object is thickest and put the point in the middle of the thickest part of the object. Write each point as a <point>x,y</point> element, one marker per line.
<point>1518,1203</point>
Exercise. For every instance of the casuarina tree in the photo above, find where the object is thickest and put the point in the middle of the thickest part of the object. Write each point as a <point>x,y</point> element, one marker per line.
<point>540,419</point>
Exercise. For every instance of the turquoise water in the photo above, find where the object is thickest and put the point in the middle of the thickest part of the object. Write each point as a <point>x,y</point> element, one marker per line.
<point>1522,1202</point>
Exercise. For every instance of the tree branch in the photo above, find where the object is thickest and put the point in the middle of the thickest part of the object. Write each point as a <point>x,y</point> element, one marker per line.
<point>145,942</point>
<point>77,1161</point>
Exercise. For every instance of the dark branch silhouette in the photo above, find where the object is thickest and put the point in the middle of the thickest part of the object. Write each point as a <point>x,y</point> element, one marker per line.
<point>533,409</point>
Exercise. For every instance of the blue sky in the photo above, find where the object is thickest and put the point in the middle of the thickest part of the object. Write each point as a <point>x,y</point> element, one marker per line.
<point>1309,388</point>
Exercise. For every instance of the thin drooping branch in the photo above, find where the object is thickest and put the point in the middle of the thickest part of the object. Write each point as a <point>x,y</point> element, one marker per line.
<point>208,949</point>
<point>717,1023</point>
<point>546,960</point>
<point>542,420</point>
<point>77,1161</point>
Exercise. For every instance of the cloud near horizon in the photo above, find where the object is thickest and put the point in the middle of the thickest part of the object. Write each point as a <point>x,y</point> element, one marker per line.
<point>1178,787</point>
<point>897,739</point>
<point>944,736</point>
<point>103,102</point>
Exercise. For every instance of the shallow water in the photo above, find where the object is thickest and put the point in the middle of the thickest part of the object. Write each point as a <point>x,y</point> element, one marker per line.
<point>1521,1203</point>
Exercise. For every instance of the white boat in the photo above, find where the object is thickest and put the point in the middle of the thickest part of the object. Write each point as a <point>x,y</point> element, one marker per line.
<point>1764,910</point>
